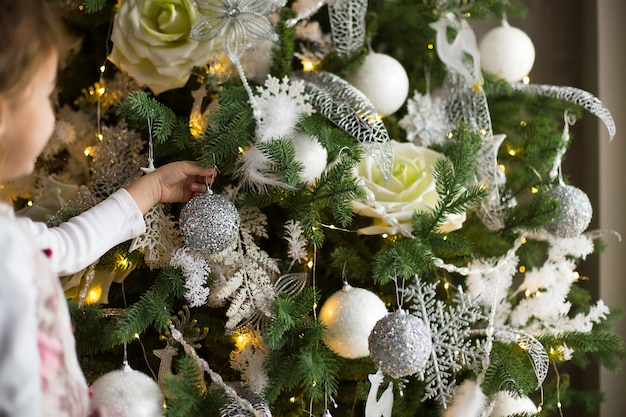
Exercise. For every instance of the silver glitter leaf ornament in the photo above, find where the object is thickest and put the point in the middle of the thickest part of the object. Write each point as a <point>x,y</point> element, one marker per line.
<point>400,344</point>
<point>576,211</point>
<point>209,223</point>
<point>352,111</point>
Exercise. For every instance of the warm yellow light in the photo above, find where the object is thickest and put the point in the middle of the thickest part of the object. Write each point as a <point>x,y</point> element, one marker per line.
<point>292,399</point>
<point>241,340</point>
<point>307,65</point>
<point>30,203</point>
<point>309,264</point>
<point>527,293</point>
<point>449,135</point>
<point>526,79</point>
<point>538,294</point>
<point>240,150</point>
<point>512,152</point>
<point>522,269</point>
<point>576,274</point>
<point>523,241</point>
<point>431,46</point>
<point>446,286</point>
<point>102,68</point>
<point>534,190</point>
<point>94,294</point>
<point>503,168</point>
<point>385,235</point>
<point>136,335</point>
<point>101,91</point>
<point>88,151</point>
<point>522,123</point>
<point>99,136</point>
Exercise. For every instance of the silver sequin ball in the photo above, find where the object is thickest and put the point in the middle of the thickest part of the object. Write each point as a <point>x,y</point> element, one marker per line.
<point>209,223</point>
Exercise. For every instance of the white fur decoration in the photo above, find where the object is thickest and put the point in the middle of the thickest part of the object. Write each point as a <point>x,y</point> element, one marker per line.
<point>281,103</point>
<point>506,404</point>
<point>469,401</point>
<point>196,271</point>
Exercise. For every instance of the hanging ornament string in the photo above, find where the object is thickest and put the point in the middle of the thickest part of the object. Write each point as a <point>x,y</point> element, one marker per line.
<point>150,168</point>
<point>574,96</point>
<point>556,172</point>
<point>238,23</point>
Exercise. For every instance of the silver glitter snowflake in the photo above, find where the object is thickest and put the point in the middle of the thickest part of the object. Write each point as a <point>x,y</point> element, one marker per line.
<point>237,22</point>
<point>452,349</point>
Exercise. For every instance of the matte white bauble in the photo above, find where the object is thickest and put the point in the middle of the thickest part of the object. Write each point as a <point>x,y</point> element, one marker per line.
<point>507,52</point>
<point>349,315</point>
<point>383,80</point>
<point>126,393</point>
<point>311,154</point>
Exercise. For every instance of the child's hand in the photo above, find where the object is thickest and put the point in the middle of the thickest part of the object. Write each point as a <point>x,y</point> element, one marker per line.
<point>171,183</point>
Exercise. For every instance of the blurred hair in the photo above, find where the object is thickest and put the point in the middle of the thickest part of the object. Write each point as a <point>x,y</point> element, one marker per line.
<point>29,33</point>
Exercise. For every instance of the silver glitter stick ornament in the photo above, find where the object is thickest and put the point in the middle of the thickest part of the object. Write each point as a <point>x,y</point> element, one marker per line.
<point>209,223</point>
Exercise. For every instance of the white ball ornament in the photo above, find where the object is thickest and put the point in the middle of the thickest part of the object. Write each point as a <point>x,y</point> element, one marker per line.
<point>126,393</point>
<point>311,154</point>
<point>384,81</point>
<point>507,52</point>
<point>349,316</point>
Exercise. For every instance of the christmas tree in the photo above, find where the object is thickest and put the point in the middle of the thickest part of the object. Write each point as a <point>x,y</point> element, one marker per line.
<point>391,212</point>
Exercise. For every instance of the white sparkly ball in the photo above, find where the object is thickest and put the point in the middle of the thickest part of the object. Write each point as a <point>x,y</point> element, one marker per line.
<point>383,80</point>
<point>576,211</point>
<point>507,52</point>
<point>400,344</point>
<point>209,223</point>
<point>126,393</point>
<point>349,316</point>
<point>311,154</point>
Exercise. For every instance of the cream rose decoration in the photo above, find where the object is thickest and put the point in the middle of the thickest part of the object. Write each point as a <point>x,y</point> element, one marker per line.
<point>410,188</point>
<point>151,42</point>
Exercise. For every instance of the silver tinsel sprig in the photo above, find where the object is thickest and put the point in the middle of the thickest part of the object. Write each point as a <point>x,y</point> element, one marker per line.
<point>352,111</point>
<point>572,95</point>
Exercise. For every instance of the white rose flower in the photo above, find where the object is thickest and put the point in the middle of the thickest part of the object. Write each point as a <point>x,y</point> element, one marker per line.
<point>151,42</point>
<point>410,188</point>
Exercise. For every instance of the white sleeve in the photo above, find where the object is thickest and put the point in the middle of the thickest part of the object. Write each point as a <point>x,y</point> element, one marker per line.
<point>77,243</point>
<point>20,382</point>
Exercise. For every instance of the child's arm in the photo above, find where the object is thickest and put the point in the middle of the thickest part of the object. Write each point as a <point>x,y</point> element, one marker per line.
<point>78,242</point>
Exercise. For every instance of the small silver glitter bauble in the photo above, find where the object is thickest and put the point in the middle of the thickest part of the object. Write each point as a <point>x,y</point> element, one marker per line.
<point>126,393</point>
<point>349,316</point>
<point>209,223</point>
<point>400,344</point>
<point>576,212</point>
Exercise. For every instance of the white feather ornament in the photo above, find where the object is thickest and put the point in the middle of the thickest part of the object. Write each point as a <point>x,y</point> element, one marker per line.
<point>469,401</point>
<point>505,404</point>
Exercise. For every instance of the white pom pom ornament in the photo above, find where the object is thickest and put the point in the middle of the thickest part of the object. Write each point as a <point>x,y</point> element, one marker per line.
<point>507,52</point>
<point>311,154</point>
<point>383,80</point>
<point>349,316</point>
<point>126,393</point>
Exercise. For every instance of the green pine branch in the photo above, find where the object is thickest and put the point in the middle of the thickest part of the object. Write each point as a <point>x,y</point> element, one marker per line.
<point>154,308</point>
<point>137,108</point>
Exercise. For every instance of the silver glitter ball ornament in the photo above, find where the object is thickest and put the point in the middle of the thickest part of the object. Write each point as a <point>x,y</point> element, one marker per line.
<point>209,223</point>
<point>400,344</point>
<point>576,212</point>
